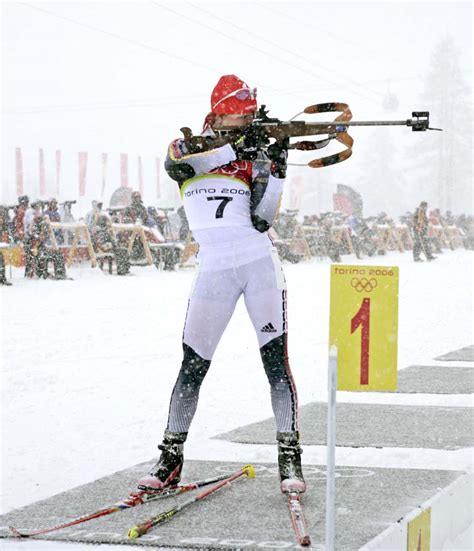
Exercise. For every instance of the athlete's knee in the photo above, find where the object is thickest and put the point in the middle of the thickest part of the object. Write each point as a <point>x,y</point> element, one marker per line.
<point>193,370</point>
<point>275,361</point>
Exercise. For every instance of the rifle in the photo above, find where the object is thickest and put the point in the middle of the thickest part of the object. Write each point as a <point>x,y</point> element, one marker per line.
<point>263,128</point>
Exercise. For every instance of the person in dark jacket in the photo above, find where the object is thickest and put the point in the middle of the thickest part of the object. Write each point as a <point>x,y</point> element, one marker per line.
<point>420,234</point>
<point>52,213</point>
<point>136,210</point>
<point>105,242</point>
<point>184,227</point>
<point>39,253</point>
<point>5,240</point>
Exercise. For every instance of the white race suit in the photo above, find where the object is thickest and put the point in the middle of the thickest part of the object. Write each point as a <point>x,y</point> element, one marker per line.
<point>225,200</point>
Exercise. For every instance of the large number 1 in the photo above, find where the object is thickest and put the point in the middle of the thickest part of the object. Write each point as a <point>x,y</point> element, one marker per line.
<point>362,318</point>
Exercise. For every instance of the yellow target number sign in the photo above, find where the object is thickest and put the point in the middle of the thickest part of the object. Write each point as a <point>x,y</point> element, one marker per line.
<point>419,532</point>
<point>364,326</point>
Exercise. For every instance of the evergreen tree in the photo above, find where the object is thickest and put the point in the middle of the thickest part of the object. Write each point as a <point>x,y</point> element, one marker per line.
<point>444,160</point>
<point>382,182</point>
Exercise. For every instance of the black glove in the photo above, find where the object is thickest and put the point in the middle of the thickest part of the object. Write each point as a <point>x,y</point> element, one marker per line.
<point>252,139</point>
<point>278,154</point>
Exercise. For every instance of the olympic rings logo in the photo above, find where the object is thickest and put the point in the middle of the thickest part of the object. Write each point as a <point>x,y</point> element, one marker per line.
<point>311,472</point>
<point>363,284</point>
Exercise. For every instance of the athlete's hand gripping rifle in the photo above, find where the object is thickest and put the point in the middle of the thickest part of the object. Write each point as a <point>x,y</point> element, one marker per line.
<point>263,128</point>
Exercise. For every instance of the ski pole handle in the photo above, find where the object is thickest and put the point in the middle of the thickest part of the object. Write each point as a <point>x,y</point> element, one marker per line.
<point>143,528</point>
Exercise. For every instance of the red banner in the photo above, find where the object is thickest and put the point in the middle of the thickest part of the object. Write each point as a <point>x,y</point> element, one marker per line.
<point>58,170</point>
<point>104,174</point>
<point>140,176</point>
<point>349,200</point>
<point>82,172</point>
<point>342,203</point>
<point>123,170</point>
<point>19,171</point>
<point>42,174</point>
<point>157,163</point>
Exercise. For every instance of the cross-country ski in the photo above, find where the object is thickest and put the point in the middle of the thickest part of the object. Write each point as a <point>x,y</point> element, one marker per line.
<point>135,498</point>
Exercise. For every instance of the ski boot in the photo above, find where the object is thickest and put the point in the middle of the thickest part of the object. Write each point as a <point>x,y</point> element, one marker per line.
<point>289,463</point>
<point>167,471</point>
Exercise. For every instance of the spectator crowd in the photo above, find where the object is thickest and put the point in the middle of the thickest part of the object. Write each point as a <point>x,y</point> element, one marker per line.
<point>27,225</point>
<point>333,234</point>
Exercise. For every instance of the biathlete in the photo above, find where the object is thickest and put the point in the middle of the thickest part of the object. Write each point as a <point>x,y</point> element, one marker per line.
<point>231,195</point>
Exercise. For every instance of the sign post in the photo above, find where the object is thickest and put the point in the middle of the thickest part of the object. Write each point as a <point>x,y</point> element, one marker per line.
<point>363,340</point>
<point>331,451</point>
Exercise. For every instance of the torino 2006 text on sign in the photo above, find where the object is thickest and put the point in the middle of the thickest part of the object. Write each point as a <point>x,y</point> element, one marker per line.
<point>364,326</point>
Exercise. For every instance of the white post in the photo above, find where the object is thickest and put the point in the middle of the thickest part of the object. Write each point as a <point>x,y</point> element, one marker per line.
<point>331,452</point>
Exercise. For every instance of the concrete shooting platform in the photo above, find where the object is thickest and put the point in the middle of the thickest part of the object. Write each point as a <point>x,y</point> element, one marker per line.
<point>465,354</point>
<point>436,379</point>
<point>249,514</point>
<point>373,426</point>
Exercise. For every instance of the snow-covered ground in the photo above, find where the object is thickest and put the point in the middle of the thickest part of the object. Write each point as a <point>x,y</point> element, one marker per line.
<point>89,365</point>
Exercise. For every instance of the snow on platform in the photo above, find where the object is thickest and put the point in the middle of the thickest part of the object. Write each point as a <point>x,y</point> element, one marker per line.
<point>465,354</point>
<point>249,514</point>
<point>436,380</point>
<point>373,426</point>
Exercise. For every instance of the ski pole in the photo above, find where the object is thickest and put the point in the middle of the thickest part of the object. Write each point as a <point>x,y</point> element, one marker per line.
<point>144,527</point>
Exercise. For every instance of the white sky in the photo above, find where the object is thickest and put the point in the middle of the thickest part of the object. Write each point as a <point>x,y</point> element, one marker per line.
<point>125,76</point>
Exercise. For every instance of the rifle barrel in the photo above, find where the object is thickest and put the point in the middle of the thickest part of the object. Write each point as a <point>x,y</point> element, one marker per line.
<point>295,128</point>
<point>406,122</point>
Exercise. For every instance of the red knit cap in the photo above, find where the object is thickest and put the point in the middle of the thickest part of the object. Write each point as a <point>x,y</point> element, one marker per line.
<point>231,96</point>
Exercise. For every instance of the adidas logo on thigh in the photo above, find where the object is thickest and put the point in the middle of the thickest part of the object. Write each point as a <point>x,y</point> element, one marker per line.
<point>268,328</point>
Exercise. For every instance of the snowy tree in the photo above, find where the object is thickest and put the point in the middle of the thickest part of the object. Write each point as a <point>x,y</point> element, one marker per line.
<point>444,160</point>
<point>382,181</point>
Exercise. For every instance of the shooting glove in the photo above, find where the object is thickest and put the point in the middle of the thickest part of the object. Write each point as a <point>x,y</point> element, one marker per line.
<point>278,154</point>
<point>252,139</point>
